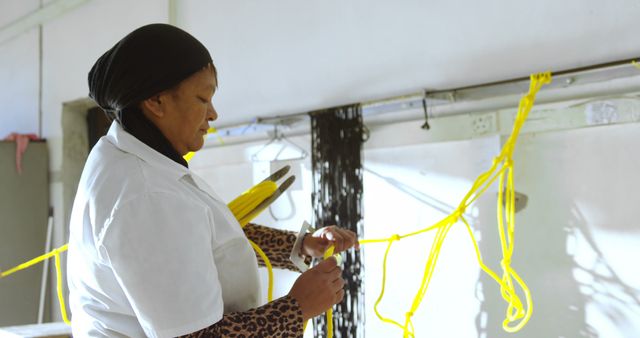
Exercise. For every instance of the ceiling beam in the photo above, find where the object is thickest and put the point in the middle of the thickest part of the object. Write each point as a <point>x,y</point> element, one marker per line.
<point>47,13</point>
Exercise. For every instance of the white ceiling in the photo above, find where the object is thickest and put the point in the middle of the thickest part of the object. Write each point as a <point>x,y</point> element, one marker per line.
<point>289,56</point>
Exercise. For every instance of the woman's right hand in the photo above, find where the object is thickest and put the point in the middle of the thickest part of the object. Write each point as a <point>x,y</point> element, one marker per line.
<point>319,288</point>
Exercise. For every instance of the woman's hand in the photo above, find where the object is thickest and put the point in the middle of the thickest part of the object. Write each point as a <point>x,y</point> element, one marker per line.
<point>314,245</point>
<point>319,288</point>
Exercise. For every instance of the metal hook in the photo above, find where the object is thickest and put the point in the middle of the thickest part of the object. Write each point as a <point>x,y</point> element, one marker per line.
<point>426,112</point>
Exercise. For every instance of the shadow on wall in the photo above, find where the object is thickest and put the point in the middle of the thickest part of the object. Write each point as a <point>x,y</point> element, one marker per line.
<point>573,285</point>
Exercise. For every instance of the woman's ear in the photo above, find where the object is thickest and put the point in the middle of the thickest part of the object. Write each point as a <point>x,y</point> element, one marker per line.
<point>153,106</point>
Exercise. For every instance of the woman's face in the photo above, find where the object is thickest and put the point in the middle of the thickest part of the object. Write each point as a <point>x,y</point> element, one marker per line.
<point>185,111</point>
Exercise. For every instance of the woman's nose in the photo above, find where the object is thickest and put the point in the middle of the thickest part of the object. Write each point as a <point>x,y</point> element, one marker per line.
<point>212,114</point>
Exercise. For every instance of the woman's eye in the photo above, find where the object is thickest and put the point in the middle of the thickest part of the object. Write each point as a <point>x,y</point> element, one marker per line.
<point>204,100</point>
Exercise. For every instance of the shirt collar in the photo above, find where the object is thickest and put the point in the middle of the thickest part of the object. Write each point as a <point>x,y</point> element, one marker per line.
<point>128,143</point>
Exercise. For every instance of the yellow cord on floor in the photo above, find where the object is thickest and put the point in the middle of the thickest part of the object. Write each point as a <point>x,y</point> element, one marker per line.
<point>517,315</point>
<point>243,208</point>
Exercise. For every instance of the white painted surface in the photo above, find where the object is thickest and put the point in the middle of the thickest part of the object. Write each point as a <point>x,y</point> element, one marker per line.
<point>18,74</point>
<point>286,56</point>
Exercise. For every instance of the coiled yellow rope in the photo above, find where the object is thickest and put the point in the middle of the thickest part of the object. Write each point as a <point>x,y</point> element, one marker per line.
<point>517,315</point>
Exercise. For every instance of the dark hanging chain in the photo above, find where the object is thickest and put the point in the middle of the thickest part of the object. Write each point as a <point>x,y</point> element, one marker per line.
<point>336,140</point>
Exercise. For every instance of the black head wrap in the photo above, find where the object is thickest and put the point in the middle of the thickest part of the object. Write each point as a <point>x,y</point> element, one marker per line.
<point>149,60</point>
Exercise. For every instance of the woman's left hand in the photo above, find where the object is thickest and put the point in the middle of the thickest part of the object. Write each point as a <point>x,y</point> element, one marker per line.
<point>316,244</point>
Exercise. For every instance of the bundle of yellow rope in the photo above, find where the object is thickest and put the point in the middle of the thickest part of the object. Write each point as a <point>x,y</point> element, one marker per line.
<point>502,170</point>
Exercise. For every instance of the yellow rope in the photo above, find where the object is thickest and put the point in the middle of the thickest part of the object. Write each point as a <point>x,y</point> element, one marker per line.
<point>53,253</point>
<point>329,314</point>
<point>267,262</point>
<point>635,63</point>
<point>517,315</point>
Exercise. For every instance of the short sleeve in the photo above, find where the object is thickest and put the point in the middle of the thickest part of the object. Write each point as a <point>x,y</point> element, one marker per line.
<point>159,247</point>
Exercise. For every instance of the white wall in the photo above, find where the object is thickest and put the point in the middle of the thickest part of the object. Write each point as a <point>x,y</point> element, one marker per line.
<point>19,74</point>
<point>288,56</point>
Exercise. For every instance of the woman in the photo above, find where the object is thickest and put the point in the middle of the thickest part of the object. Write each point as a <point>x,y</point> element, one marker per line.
<point>153,250</point>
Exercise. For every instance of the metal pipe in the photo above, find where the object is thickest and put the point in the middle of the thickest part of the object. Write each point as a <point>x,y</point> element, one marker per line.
<point>599,80</point>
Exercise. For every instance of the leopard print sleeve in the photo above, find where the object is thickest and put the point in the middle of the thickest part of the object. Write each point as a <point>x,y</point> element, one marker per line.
<point>275,243</point>
<point>280,318</point>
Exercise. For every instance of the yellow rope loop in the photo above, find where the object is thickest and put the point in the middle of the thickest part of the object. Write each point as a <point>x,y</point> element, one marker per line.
<point>461,210</point>
<point>395,237</point>
<point>267,263</point>
<point>408,329</point>
<point>496,161</point>
<point>508,162</point>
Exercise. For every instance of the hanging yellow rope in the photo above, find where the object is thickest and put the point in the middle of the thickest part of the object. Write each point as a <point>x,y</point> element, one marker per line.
<point>517,315</point>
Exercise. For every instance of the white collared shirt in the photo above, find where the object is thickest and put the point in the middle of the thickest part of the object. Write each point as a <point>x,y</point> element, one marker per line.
<point>153,251</point>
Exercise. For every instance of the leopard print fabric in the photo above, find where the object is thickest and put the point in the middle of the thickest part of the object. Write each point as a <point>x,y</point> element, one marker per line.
<point>280,318</point>
<point>275,243</point>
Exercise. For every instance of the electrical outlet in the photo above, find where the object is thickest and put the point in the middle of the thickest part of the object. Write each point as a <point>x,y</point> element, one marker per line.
<point>483,124</point>
<point>604,112</point>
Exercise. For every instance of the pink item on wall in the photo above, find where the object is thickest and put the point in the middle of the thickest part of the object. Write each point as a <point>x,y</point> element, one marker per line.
<point>22,141</point>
